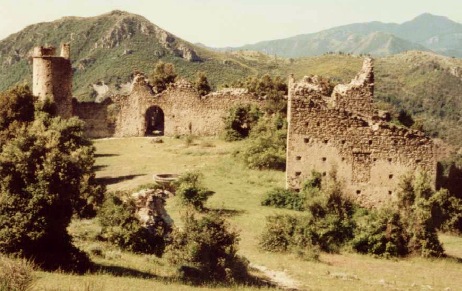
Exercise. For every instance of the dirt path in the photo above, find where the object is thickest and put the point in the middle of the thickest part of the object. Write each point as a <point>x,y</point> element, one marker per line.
<point>281,279</point>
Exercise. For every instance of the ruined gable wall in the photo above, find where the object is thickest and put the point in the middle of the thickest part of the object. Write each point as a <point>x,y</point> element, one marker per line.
<point>185,112</point>
<point>369,156</point>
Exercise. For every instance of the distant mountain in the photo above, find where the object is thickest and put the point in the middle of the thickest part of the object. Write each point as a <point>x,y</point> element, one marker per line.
<point>106,49</point>
<point>426,32</point>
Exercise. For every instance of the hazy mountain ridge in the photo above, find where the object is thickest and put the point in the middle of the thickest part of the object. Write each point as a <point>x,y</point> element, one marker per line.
<point>426,32</point>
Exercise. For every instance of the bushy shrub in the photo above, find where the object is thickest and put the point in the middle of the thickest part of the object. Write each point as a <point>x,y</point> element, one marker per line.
<point>328,226</point>
<point>202,84</point>
<point>267,145</point>
<point>15,274</point>
<point>163,75</point>
<point>191,192</point>
<point>284,198</point>
<point>206,250</point>
<point>47,174</point>
<point>381,233</point>
<point>121,227</point>
<point>240,121</point>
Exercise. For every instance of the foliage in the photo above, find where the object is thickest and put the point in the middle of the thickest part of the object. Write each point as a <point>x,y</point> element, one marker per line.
<point>202,84</point>
<point>47,175</point>
<point>15,274</point>
<point>284,198</point>
<point>381,233</point>
<point>191,192</point>
<point>240,121</point>
<point>267,146</point>
<point>163,74</point>
<point>16,105</point>
<point>121,227</point>
<point>328,225</point>
<point>206,250</point>
<point>405,118</point>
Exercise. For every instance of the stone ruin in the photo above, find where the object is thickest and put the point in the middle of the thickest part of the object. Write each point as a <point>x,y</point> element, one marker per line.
<point>179,110</point>
<point>328,128</point>
<point>339,130</point>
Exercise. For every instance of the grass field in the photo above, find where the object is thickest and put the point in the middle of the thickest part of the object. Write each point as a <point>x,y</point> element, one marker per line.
<point>128,163</point>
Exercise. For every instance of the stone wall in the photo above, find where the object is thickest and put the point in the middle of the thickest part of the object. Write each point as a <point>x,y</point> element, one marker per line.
<point>184,111</point>
<point>99,117</point>
<point>341,132</point>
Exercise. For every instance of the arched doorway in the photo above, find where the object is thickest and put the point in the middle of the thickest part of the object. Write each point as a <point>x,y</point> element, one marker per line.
<point>154,121</point>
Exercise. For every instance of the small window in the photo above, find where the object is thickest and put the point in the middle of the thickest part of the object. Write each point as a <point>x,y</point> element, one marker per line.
<point>326,141</point>
<point>390,160</point>
<point>324,174</point>
<point>395,141</point>
<point>298,173</point>
<point>390,192</point>
<point>374,159</point>
<point>306,140</point>
<point>343,141</point>
<point>343,159</point>
<point>298,158</point>
<point>318,123</point>
<point>370,141</point>
<point>417,161</point>
<point>324,159</point>
<point>390,176</point>
<point>358,192</point>
<point>307,123</point>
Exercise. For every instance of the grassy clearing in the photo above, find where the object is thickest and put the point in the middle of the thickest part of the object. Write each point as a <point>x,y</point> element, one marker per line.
<point>128,163</point>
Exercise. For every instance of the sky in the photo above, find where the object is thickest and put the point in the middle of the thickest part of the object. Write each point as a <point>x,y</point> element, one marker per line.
<point>220,23</point>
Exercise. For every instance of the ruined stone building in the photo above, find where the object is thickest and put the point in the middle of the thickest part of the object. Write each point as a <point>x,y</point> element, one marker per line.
<point>178,110</point>
<point>328,128</point>
<point>340,130</point>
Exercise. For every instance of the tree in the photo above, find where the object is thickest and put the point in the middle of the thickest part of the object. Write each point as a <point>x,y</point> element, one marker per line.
<point>163,74</point>
<point>202,84</point>
<point>47,175</point>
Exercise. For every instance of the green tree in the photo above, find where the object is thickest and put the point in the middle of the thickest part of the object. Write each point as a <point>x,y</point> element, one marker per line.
<point>163,74</point>
<point>202,84</point>
<point>47,175</point>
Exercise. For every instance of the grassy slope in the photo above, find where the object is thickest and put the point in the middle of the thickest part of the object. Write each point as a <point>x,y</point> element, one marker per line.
<point>127,163</point>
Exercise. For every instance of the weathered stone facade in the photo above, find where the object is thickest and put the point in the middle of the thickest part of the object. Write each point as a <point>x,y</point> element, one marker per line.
<point>52,77</point>
<point>341,131</point>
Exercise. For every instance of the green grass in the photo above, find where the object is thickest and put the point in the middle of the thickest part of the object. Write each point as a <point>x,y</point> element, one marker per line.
<point>127,163</point>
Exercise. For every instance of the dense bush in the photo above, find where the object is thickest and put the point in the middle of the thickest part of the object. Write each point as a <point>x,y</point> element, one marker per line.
<point>163,75</point>
<point>328,226</point>
<point>15,274</point>
<point>284,198</point>
<point>267,145</point>
<point>206,250</point>
<point>381,233</point>
<point>121,227</point>
<point>202,84</point>
<point>240,121</point>
<point>190,191</point>
<point>46,166</point>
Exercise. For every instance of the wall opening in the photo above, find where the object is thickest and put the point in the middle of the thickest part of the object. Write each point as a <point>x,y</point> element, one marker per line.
<point>154,121</point>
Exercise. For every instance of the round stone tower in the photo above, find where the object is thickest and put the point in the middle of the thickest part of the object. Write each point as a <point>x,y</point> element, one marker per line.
<point>52,78</point>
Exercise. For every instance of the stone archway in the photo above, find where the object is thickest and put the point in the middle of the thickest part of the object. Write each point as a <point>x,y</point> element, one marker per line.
<point>154,118</point>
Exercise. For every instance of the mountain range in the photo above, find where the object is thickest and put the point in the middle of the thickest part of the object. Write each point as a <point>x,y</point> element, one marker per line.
<point>426,32</point>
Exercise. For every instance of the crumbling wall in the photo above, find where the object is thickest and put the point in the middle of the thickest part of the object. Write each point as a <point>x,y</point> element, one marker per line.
<point>185,111</point>
<point>99,118</point>
<point>368,154</point>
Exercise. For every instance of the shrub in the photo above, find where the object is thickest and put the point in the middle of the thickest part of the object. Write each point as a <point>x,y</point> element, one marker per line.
<point>239,121</point>
<point>284,198</point>
<point>121,227</point>
<point>267,147</point>
<point>381,233</point>
<point>16,274</point>
<point>191,192</point>
<point>47,176</point>
<point>206,250</point>
<point>202,84</point>
<point>163,75</point>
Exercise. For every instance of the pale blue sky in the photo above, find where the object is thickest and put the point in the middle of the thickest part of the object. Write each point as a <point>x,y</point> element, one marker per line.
<point>230,22</point>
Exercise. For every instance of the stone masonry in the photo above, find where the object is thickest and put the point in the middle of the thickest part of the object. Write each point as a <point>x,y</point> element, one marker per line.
<point>341,131</point>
